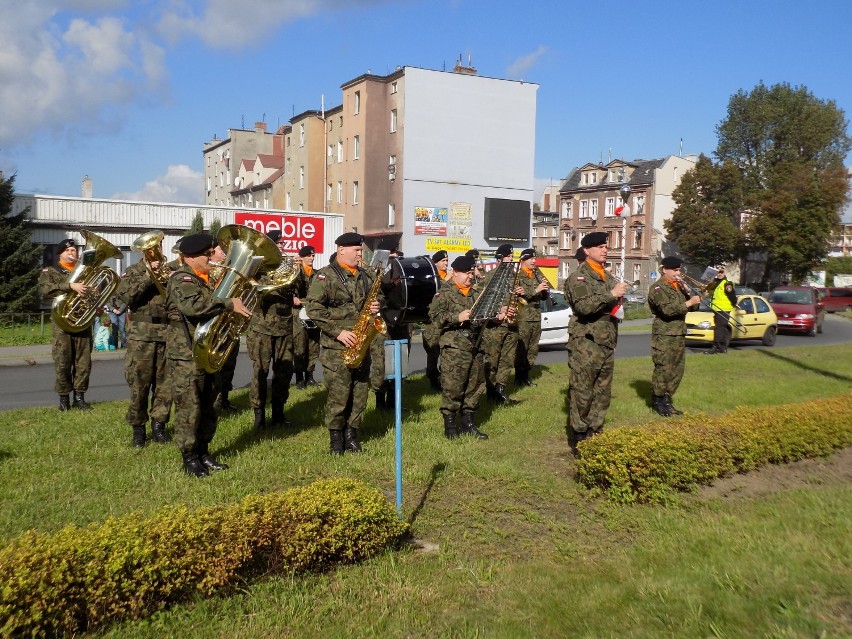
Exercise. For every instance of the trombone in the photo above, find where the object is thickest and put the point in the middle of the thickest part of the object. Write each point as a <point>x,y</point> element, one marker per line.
<point>690,286</point>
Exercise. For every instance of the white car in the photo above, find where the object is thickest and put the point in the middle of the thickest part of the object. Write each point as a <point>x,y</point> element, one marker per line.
<point>555,314</point>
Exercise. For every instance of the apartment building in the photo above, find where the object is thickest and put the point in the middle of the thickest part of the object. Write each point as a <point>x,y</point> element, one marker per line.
<point>589,200</point>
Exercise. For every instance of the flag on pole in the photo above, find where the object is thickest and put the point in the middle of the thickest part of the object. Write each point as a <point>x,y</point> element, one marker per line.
<point>619,210</point>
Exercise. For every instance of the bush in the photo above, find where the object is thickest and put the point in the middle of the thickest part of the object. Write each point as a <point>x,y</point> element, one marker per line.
<point>131,566</point>
<point>650,462</point>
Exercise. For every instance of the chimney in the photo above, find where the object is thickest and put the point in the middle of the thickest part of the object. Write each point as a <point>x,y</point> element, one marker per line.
<point>87,188</point>
<point>260,127</point>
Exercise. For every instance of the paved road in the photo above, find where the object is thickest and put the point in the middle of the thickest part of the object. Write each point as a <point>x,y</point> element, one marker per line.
<point>25,386</point>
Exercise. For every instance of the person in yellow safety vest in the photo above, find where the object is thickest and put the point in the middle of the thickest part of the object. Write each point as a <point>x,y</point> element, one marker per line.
<point>722,301</point>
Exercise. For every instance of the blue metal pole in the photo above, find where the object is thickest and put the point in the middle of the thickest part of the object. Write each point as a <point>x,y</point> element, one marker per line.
<point>397,357</point>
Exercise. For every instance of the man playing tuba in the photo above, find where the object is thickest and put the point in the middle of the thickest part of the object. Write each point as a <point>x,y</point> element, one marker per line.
<point>72,352</point>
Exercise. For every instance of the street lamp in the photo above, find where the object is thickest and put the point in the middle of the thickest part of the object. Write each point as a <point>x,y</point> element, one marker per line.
<point>624,211</point>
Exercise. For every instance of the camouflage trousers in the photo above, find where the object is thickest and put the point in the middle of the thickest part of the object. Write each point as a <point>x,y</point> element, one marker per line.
<point>590,385</point>
<point>306,347</point>
<point>147,376</point>
<point>668,353</point>
<point>347,390</point>
<point>430,337</point>
<point>225,375</point>
<point>462,379</point>
<point>528,335</point>
<point>267,352</point>
<point>500,344</point>
<point>72,361</point>
<point>194,417</point>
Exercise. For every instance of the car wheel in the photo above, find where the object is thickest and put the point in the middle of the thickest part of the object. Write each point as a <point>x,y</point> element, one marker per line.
<point>770,336</point>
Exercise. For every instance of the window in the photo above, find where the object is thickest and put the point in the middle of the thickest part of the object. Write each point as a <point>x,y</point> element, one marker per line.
<point>341,120</point>
<point>393,121</point>
<point>566,239</point>
<point>357,108</point>
<point>209,184</point>
<point>391,215</point>
<point>566,269</point>
<point>609,207</point>
<point>357,147</point>
<point>590,177</point>
<point>287,203</point>
<point>534,232</point>
<point>639,205</point>
<point>340,150</point>
<point>637,237</point>
<point>340,192</point>
<point>554,232</point>
<point>567,208</point>
<point>584,209</point>
<point>393,87</point>
<point>593,209</point>
<point>355,193</point>
<point>328,192</point>
<point>301,177</point>
<point>329,152</point>
<point>302,134</point>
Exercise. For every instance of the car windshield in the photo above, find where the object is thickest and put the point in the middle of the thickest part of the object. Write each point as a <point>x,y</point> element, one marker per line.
<point>791,297</point>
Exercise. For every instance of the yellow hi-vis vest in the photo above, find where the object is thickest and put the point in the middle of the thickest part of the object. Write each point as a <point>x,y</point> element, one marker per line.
<point>720,300</point>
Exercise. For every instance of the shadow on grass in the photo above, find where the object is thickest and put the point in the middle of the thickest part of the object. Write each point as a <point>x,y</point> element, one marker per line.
<point>437,470</point>
<point>643,389</point>
<point>4,455</point>
<point>377,423</point>
<point>804,366</point>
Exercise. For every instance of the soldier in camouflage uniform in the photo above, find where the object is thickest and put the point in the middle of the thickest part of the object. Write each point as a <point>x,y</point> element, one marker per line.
<point>72,352</point>
<point>225,375</point>
<point>306,341</point>
<point>592,362</point>
<point>431,334</point>
<point>580,256</point>
<point>145,361</point>
<point>462,370</point>
<point>270,345</point>
<point>500,343</point>
<point>669,305</point>
<point>532,288</point>
<point>189,302</point>
<point>334,303</point>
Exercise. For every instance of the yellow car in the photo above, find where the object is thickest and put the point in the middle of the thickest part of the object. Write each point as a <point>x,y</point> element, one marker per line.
<point>753,318</point>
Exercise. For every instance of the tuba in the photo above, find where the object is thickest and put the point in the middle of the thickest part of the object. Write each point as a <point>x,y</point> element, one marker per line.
<point>74,312</point>
<point>368,325</point>
<point>149,245</point>
<point>248,253</point>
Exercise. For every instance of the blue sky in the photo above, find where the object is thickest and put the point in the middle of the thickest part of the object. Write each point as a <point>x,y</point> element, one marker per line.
<point>128,92</point>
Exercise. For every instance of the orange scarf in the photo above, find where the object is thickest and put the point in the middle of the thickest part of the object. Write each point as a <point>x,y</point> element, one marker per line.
<point>68,266</point>
<point>597,268</point>
<point>308,270</point>
<point>464,290</point>
<point>675,285</point>
<point>442,274</point>
<point>203,276</point>
<point>528,272</point>
<point>352,269</point>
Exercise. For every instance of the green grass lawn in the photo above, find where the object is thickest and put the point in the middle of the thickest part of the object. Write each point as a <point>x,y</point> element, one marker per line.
<point>506,543</point>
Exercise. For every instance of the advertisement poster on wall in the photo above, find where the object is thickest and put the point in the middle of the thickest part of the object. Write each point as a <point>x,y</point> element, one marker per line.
<point>430,220</point>
<point>461,220</point>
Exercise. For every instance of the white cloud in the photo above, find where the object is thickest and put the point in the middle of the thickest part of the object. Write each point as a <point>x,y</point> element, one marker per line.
<point>180,185</point>
<point>58,76</point>
<point>523,64</point>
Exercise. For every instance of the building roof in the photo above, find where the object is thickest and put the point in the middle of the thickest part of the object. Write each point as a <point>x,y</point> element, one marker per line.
<point>643,173</point>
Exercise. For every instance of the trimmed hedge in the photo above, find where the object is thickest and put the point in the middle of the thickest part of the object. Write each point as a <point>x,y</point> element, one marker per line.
<point>650,462</point>
<point>131,566</point>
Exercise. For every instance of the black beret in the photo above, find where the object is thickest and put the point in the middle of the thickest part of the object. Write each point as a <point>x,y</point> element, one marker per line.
<point>463,264</point>
<point>474,253</point>
<point>306,250</point>
<point>671,261</point>
<point>527,253</point>
<point>349,239</point>
<point>64,244</point>
<point>504,250</point>
<point>580,255</point>
<point>274,235</point>
<point>594,239</point>
<point>197,244</point>
<point>440,255</point>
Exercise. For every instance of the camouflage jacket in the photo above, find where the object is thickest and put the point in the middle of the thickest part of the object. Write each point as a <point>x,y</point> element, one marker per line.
<point>273,315</point>
<point>189,302</point>
<point>669,308</point>
<point>53,282</point>
<point>531,311</point>
<point>335,300</point>
<point>592,303</point>
<point>146,304</point>
<point>444,312</point>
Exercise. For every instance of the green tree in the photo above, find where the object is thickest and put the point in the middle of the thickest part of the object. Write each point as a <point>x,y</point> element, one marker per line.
<point>789,148</point>
<point>215,225</point>
<point>197,224</point>
<point>20,260</point>
<point>837,266</point>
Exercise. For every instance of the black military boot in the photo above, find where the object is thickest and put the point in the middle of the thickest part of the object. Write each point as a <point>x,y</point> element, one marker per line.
<point>490,394</point>
<point>469,428</point>
<point>64,403</point>
<point>658,403</point>
<point>670,406</point>
<point>80,401</point>
<point>192,464</point>
<point>390,397</point>
<point>501,397</point>
<point>522,378</point>
<point>350,438</point>
<point>278,417</point>
<point>435,383</point>
<point>309,379</point>
<point>337,446</point>
<point>139,436</point>
<point>451,431</point>
<point>300,380</point>
<point>260,418</point>
<point>158,432</point>
<point>225,403</point>
<point>207,460</point>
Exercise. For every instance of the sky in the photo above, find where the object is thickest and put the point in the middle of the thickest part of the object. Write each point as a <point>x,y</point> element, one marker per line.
<point>127,92</point>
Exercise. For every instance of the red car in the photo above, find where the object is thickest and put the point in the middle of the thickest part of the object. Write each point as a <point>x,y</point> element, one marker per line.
<point>799,309</point>
<point>837,299</point>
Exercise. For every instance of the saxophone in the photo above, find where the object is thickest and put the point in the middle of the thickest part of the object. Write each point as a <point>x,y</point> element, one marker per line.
<point>367,327</point>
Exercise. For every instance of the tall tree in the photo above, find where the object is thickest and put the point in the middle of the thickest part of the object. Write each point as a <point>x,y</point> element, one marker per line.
<point>215,225</point>
<point>197,224</point>
<point>20,260</point>
<point>789,147</point>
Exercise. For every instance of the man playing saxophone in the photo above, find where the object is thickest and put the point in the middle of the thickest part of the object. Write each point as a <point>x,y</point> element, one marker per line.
<point>72,352</point>
<point>189,302</point>
<point>145,361</point>
<point>335,302</point>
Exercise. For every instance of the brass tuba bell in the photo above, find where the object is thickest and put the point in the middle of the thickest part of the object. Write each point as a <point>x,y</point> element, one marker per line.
<point>149,245</point>
<point>74,312</point>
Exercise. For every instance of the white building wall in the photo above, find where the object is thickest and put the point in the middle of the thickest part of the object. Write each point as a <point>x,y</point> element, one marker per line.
<point>465,138</point>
